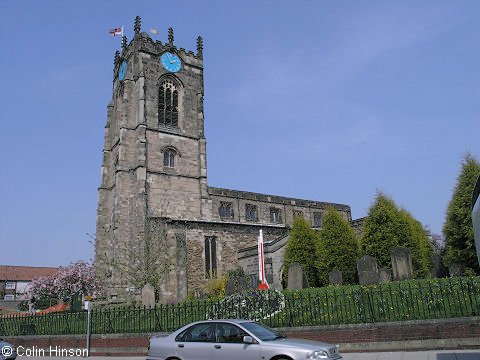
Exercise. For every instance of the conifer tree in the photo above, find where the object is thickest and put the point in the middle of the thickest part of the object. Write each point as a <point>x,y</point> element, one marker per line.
<point>338,248</point>
<point>302,248</point>
<point>458,228</point>
<point>383,230</point>
<point>387,227</point>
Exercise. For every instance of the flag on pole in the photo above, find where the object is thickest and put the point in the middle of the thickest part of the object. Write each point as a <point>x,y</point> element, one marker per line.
<point>261,264</point>
<point>116,31</point>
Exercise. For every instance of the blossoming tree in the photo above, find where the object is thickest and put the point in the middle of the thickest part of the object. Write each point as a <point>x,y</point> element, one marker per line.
<point>76,278</point>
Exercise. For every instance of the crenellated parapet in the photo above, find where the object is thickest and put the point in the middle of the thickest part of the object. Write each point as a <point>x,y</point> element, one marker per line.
<point>143,42</point>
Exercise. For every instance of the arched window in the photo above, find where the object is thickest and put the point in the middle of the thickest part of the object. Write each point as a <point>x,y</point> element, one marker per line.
<point>169,158</point>
<point>168,104</point>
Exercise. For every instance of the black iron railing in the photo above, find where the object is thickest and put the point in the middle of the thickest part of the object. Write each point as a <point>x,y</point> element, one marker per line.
<point>394,301</point>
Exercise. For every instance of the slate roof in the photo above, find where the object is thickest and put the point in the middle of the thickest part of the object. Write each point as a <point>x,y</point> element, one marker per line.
<point>24,273</point>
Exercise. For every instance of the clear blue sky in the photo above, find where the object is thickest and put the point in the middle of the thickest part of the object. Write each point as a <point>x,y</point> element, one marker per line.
<point>321,100</point>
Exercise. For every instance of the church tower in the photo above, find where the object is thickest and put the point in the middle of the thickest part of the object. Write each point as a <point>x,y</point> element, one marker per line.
<point>154,158</point>
<point>158,222</point>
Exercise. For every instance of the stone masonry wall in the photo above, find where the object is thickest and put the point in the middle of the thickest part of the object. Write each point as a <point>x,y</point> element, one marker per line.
<point>133,144</point>
<point>287,206</point>
<point>230,237</point>
<point>173,192</point>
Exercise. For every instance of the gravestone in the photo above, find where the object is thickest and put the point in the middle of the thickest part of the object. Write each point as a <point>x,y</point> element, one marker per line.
<point>148,296</point>
<point>384,275</point>
<point>269,270</point>
<point>242,284</point>
<point>335,277</point>
<point>199,294</point>
<point>456,269</point>
<point>252,282</point>
<point>296,277</point>
<point>367,270</point>
<point>230,287</point>
<point>401,263</point>
<point>305,281</point>
<point>436,270</point>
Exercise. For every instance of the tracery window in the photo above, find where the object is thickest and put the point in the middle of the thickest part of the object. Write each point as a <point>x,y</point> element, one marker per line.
<point>168,104</point>
<point>225,210</point>
<point>210,256</point>
<point>169,158</point>
<point>317,219</point>
<point>275,215</point>
<point>251,212</point>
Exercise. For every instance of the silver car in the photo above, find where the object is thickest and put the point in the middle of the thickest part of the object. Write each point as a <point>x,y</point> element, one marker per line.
<point>235,340</point>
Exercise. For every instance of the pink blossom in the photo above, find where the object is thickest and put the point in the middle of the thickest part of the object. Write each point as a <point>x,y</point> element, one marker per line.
<point>76,278</point>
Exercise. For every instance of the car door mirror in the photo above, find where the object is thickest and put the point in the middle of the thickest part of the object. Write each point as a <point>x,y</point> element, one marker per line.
<point>249,340</point>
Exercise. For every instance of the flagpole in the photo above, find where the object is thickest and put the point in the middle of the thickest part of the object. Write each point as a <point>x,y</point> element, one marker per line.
<point>261,264</point>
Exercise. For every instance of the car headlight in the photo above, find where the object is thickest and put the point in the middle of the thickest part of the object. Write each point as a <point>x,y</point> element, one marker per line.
<point>317,355</point>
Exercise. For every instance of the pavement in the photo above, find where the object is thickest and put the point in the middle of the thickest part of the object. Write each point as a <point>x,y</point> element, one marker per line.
<point>416,355</point>
<point>395,355</point>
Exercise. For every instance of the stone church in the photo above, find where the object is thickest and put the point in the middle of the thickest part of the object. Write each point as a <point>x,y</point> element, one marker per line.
<point>155,209</point>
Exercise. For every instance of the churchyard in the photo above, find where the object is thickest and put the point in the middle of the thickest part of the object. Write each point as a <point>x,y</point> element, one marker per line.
<point>333,305</point>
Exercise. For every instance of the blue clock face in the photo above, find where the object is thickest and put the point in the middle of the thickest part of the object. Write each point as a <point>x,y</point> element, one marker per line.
<point>121,72</point>
<point>171,62</point>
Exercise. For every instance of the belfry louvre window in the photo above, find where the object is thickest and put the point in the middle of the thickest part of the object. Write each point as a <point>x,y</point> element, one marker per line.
<point>168,104</point>
<point>169,158</point>
<point>226,210</point>
<point>210,256</point>
<point>251,212</point>
<point>275,215</point>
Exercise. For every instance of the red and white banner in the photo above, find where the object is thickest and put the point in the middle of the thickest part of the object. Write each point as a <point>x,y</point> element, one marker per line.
<point>116,31</point>
<point>261,264</point>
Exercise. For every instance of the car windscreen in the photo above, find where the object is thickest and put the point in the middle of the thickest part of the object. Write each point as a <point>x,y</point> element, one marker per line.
<point>202,332</point>
<point>261,331</point>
